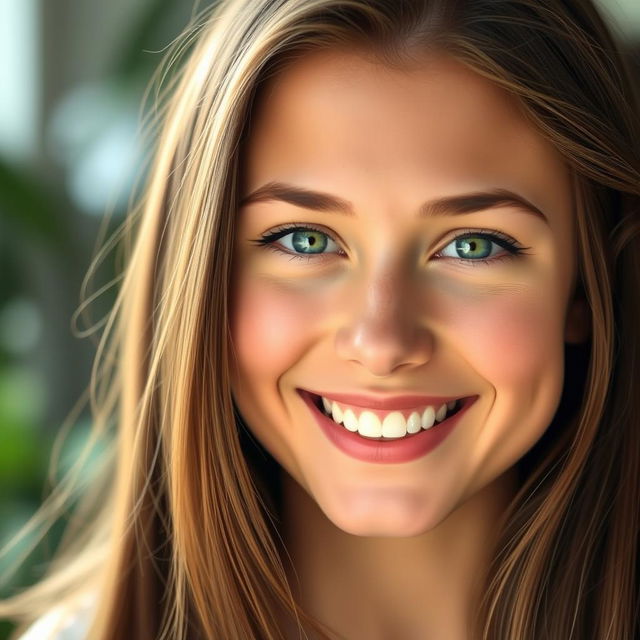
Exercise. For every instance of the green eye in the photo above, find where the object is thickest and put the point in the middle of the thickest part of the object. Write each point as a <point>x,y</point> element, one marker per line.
<point>471,247</point>
<point>475,248</point>
<point>305,243</point>
<point>308,240</point>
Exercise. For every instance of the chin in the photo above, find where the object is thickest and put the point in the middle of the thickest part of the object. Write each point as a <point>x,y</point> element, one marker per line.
<point>386,530</point>
<point>385,525</point>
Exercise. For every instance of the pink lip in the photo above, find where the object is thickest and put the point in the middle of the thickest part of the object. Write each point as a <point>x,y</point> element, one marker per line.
<point>385,404</point>
<point>397,450</point>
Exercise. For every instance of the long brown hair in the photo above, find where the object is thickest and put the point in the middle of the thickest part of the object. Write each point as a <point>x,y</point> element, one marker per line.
<point>184,541</point>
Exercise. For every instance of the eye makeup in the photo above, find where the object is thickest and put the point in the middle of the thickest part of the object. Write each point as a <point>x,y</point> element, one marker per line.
<point>512,248</point>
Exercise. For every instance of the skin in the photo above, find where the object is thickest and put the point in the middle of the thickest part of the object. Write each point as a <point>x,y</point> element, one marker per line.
<point>397,550</point>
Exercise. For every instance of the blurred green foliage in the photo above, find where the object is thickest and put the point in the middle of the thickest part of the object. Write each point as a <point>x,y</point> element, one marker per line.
<point>40,221</point>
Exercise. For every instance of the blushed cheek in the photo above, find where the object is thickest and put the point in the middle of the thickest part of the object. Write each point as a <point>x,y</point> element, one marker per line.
<point>271,326</point>
<point>510,340</point>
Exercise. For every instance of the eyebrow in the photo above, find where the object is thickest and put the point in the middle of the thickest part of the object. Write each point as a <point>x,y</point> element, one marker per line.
<point>448,205</point>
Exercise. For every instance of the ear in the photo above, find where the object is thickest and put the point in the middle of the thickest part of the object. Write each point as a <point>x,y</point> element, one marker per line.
<point>578,321</point>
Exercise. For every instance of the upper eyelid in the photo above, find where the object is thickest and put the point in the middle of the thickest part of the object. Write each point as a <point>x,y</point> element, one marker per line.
<point>290,228</point>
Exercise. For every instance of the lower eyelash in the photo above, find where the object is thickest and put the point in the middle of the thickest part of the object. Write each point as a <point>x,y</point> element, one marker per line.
<point>489,261</point>
<point>268,240</point>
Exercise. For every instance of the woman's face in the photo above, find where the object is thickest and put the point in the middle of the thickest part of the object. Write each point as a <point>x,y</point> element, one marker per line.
<point>397,296</point>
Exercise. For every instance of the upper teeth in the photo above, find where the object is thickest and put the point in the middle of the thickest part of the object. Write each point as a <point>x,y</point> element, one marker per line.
<point>393,424</point>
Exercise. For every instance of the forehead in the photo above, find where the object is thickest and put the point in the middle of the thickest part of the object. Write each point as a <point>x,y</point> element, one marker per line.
<point>342,120</point>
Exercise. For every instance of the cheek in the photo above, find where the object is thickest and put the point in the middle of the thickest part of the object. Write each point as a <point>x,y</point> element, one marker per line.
<point>510,339</point>
<point>270,325</point>
<point>514,344</point>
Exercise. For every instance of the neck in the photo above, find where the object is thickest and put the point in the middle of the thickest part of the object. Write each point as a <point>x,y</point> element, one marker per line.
<point>425,586</point>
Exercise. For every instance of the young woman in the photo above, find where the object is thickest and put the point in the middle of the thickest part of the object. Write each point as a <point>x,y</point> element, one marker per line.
<point>377,342</point>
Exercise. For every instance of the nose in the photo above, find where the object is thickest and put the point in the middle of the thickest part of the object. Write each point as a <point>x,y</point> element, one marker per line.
<point>385,330</point>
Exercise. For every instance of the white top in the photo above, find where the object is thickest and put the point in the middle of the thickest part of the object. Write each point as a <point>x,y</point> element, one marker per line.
<point>60,624</point>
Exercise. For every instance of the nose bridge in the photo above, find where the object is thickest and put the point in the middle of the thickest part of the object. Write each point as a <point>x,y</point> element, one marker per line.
<point>380,290</point>
<point>383,329</point>
<point>388,297</point>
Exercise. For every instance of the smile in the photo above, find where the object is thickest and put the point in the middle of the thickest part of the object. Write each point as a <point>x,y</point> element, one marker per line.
<point>384,449</point>
<point>386,425</point>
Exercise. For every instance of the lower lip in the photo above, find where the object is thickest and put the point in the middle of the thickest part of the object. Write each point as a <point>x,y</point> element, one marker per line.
<point>403,449</point>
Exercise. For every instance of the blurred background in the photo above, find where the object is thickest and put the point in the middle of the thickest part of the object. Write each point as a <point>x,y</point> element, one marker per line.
<point>72,82</point>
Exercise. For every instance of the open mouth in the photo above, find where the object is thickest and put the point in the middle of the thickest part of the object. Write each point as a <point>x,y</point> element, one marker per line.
<point>420,423</point>
<point>405,438</point>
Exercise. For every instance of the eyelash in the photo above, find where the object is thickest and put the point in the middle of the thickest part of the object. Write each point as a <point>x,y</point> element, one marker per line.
<point>268,241</point>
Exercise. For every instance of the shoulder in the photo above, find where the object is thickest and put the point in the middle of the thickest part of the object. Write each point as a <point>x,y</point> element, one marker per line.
<point>62,624</point>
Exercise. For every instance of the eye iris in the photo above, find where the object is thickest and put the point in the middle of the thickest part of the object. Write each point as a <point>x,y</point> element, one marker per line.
<point>303,240</point>
<point>467,247</point>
